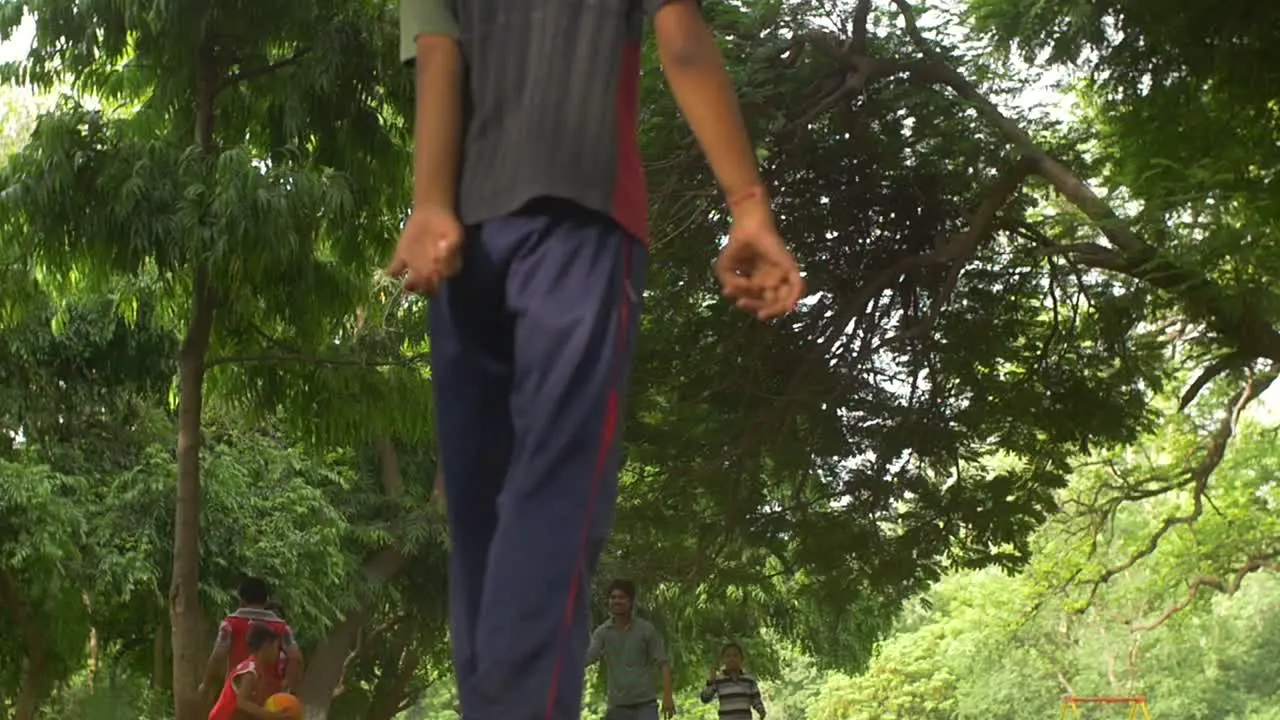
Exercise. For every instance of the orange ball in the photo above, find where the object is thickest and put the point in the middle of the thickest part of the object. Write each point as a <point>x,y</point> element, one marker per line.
<point>285,703</point>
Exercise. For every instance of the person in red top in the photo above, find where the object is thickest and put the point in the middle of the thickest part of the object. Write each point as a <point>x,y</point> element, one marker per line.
<point>243,692</point>
<point>232,646</point>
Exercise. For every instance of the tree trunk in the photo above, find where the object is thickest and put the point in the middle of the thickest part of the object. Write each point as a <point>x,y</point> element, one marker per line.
<point>35,675</point>
<point>391,695</point>
<point>325,669</point>
<point>186,616</point>
<point>159,658</point>
<point>91,671</point>
<point>33,682</point>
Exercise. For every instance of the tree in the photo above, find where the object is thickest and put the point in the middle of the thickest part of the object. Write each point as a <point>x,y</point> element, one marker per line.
<point>74,413</point>
<point>1156,101</point>
<point>243,180</point>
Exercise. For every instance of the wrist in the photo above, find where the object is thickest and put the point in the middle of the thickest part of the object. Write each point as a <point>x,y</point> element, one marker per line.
<point>433,201</point>
<point>751,203</point>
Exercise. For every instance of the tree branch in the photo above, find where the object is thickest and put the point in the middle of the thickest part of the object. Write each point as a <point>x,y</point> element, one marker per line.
<point>1198,476</point>
<point>305,359</point>
<point>1220,366</point>
<point>255,73</point>
<point>1213,582</point>
<point>962,247</point>
<point>1244,326</point>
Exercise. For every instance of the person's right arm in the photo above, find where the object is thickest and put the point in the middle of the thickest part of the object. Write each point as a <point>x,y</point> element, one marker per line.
<point>709,691</point>
<point>696,72</point>
<point>216,669</point>
<point>596,650</point>
<point>428,39</point>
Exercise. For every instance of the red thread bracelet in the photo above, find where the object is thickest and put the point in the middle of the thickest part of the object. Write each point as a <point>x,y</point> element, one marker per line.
<point>754,193</point>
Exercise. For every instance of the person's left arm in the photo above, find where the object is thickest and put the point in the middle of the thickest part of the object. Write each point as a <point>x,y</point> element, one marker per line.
<point>757,701</point>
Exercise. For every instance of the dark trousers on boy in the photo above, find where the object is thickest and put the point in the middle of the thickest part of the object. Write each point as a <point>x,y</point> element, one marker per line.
<point>531,349</point>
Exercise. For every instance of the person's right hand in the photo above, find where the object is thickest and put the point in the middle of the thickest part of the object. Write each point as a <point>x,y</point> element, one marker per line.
<point>755,269</point>
<point>429,251</point>
<point>715,673</point>
<point>437,491</point>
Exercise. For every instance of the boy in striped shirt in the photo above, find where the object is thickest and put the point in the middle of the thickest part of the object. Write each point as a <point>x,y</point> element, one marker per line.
<point>739,693</point>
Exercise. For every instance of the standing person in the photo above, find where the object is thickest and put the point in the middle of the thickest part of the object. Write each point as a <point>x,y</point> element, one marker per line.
<point>632,650</point>
<point>243,690</point>
<point>232,646</point>
<point>531,236</point>
<point>739,693</point>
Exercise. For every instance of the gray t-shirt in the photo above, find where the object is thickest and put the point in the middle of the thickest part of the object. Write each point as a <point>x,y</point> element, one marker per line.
<point>631,660</point>
<point>552,101</point>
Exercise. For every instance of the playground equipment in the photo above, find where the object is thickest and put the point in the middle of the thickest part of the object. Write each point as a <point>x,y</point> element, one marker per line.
<point>1071,704</point>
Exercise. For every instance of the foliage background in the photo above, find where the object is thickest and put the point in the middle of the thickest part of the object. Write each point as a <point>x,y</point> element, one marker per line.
<point>1010,449</point>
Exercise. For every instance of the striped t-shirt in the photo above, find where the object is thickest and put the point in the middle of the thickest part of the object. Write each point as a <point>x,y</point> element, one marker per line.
<point>738,694</point>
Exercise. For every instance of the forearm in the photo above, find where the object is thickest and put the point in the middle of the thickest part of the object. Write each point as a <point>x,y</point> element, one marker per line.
<point>437,131</point>
<point>667,687</point>
<point>245,690</point>
<point>293,673</point>
<point>708,693</point>
<point>595,650</point>
<point>250,707</point>
<point>211,670</point>
<point>696,72</point>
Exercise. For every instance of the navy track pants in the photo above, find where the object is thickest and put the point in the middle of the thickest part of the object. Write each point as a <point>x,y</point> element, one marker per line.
<point>531,349</point>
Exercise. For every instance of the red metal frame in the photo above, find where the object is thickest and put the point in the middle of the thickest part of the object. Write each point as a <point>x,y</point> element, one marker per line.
<point>1137,704</point>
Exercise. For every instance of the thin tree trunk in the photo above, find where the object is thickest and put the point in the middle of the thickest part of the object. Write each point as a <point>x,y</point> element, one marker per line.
<point>33,682</point>
<point>159,658</point>
<point>35,675</point>
<point>92,670</point>
<point>185,612</point>
<point>186,615</point>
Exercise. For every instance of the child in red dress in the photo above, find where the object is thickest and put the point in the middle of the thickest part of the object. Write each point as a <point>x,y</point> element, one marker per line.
<point>243,692</point>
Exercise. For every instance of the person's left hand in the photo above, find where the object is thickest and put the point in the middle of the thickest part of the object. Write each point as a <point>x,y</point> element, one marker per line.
<point>668,706</point>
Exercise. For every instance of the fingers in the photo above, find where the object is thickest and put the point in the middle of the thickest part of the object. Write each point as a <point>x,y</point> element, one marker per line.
<point>397,267</point>
<point>783,295</point>
<point>768,288</point>
<point>732,273</point>
<point>423,276</point>
<point>738,282</point>
<point>420,283</point>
